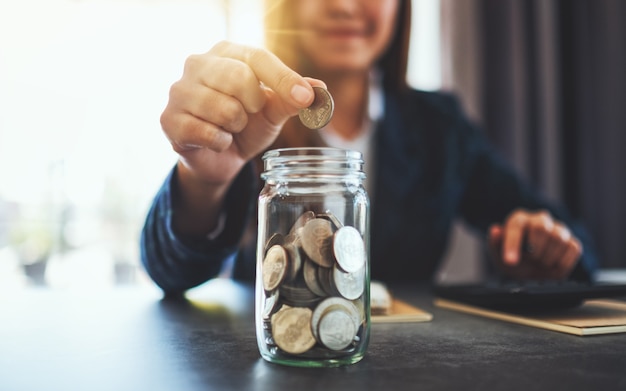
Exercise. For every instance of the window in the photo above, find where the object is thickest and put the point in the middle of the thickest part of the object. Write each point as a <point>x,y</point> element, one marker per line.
<point>424,70</point>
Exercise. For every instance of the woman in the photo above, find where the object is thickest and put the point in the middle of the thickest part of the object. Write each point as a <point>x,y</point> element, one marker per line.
<point>427,165</point>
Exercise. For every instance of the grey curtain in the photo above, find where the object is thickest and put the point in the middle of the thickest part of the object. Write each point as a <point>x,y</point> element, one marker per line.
<point>546,80</point>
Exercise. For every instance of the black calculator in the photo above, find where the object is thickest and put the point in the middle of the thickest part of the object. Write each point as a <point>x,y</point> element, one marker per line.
<point>529,295</point>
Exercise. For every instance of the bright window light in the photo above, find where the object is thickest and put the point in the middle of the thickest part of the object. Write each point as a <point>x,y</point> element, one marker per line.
<point>82,86</point>
<point>424,69</point>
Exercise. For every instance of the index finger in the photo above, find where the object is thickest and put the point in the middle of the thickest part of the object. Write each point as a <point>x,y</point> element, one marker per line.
<point>273,73</point>
<point>514,231</point>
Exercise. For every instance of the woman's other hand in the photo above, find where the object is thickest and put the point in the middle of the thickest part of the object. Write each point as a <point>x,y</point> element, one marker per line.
<point>533,245</point>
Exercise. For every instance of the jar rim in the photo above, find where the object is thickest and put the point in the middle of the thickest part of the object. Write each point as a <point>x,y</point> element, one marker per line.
<point>317,163</point>
<point>309,152</point>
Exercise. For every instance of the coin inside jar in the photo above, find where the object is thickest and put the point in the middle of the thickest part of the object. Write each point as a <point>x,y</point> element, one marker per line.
<point>336,330</point>
<point>319,265</point>
<point>349,285</point>
<point>292,331</point>
<point>349,249</point>
<point>274,267</point>
<point>329,304</point>
<point>320,112</point>
<point>316,241</point>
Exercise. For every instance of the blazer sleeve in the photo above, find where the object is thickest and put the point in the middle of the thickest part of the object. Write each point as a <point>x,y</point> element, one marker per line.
<point>176,263</point>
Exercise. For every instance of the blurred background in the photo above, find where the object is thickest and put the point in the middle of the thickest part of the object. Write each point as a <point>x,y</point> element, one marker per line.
<point>83,83</point>
<point>82,86</point>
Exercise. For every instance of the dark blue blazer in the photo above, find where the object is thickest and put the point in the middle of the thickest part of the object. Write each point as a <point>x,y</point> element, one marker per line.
<point>433,166</point>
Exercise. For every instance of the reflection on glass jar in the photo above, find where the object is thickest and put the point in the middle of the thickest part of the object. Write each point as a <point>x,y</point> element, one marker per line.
<point>312,285</point>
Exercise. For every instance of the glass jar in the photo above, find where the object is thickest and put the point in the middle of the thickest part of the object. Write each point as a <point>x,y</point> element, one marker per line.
<point>313,274</point>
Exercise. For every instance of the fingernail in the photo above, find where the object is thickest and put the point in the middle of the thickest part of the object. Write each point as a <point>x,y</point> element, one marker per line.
<point>300,94</point>
<point>510,257</point>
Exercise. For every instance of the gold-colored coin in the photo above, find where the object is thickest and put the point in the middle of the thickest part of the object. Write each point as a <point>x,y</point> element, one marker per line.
<point>295,261</point>
<point>291,330</point>
<point>328,215</point>
<point>274,267</point>
<point>321,110</point>
<point>301,221</point>
<point>316,240</point>
<point>324,278</point>
<point>274,239</point>
<point>310,278</point>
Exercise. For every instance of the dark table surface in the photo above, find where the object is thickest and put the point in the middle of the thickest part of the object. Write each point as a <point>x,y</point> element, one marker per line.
<point>132,339</point>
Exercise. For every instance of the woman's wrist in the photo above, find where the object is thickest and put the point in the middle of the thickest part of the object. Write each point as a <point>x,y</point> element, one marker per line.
<point>197,205</point>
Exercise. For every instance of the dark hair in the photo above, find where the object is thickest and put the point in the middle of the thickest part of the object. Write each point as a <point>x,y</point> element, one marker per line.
<point>280,33</point>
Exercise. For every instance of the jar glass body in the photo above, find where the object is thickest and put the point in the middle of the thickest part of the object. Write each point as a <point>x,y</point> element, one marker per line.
<point>313,274</point>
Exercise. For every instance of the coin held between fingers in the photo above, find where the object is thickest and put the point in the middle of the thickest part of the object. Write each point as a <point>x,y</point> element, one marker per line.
<point>320,112</point>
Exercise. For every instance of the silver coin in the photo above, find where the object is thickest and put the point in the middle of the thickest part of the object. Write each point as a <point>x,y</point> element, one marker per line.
<point>327,305</point>
<point>321,110</point>
<point>336,329</point>
<point>349,249</point>
<point>349,285</point>
<point>359,304</point>
<point>270,304</point>
<point>316,238</point>
<point>274,267</point>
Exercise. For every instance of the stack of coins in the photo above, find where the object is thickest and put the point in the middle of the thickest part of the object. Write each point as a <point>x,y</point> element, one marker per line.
<point>314,278</point>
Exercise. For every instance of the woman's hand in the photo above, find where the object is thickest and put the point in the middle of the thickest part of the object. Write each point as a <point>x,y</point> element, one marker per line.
<point>230,105</point>
<point>533,245</point>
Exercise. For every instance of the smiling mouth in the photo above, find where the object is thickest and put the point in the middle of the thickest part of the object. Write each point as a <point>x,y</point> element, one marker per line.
<point>343,34</point>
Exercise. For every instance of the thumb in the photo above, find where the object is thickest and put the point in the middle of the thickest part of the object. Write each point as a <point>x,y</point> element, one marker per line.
<point>266,124</point>
<point>278,110</point>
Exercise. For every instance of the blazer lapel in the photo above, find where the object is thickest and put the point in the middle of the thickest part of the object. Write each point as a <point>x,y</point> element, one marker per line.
<point>398,169</point>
